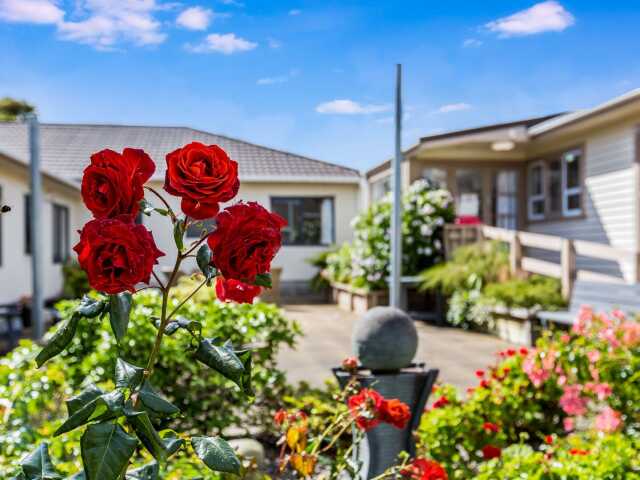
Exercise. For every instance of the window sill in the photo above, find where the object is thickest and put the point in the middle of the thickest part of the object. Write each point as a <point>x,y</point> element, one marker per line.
<point>557,218</point>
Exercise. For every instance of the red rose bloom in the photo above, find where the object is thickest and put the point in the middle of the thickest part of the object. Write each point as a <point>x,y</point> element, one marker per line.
<point>395,412</point>
<point>423,469</point>
<point>491,451</point>
<point>350,364</point>
<point>245,241</point>
<point>204,176</point>
<point>365,408</point>
<point>113,183</point>
<point>235,290</point>
<point>491,427</point>
<point>440,402</point>
<point>116,254</point>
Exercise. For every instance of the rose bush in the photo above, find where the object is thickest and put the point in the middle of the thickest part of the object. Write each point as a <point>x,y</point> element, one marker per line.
<point>131,413</point>
<point>574,385</point>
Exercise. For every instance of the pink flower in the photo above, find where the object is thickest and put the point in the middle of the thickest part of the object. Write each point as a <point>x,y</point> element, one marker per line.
<point>619,314</point>
<point>601,390</point>
<point>630,333</point>
<point>609,335</point>
<point>537,375</point>
<point>608,420</point>
<point>572,402</point>
<point>565,338</point>
<point>595,373</point>
<point>562,380</point>
<point>585,315</point>
<point>593,356</point>
<point>569,424</point>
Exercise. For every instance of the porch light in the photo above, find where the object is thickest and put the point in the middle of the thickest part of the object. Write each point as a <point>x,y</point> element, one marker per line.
<point>503,146</point>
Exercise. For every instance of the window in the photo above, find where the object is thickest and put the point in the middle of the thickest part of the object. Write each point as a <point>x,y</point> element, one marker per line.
<point>555,187</point>
<point>27,229</point>
<point>506,199</point>
<point>469,192</point>
<point>60,233</point>
<point>436,177</point>
<point>310,221</point>
<point>380,188</point>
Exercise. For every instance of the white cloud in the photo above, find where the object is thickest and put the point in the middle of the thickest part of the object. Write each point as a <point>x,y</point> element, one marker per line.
<point>195,18</point>
<point>349,107</point>
<point>226,44</point>
<point>453,107</point>
<point>110,22</point>
<point>295,12</point>
<point>278,79</point>
<point>547,16</point>
<point>471,42</point>
<point>30,11</point>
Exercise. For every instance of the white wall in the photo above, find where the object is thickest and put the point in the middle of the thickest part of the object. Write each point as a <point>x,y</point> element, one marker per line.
<point>292,259</point>
<point>610,197</point>
<point>15,270</point>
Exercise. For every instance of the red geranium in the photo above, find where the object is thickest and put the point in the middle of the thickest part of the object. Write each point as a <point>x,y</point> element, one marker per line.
<point>113,183</point>
<point>491,427</point>
<point>235,290</point>
<point>491,451</point>
<point>395,412</point>
<point>365,408</point>
<point>423,469</point>
<point>116,254</point>
<point>245,241</point>
<point>204,176</point>
<point>440,402</point>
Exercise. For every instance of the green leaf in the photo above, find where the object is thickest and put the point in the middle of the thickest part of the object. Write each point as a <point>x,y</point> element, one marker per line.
<point>106,450</point>
<point>192,326</point>
<point>245,358</point>
<point>178,234</point>
<point>150,471</point>
<point>127,374</point>
<point>119,311</point>
<point>203,259</point>
<point>103,407</point>
<point>90,393</point>
<point>147,434</point>
<point>216,454</point>
<point>147,209</point>
<point>171,442</point>
<point>38,465</point>
<point>154,402</point>
<point>78,476</point>
<point>59,340</point>
<point>263,280</point>
<point>90,308</point>
<point>221,358</point>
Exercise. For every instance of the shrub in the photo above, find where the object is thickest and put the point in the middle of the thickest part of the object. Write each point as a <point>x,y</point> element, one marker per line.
<point>365,264</point>
<point>75,281</point>
<point>319,283</point>
<point>534,292</point>
<point>580,382</point>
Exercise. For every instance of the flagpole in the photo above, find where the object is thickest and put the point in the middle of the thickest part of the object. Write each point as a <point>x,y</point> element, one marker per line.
<point>396,215</point>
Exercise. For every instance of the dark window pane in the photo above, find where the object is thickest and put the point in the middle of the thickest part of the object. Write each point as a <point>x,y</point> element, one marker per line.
<point>555,186</point>
<point>536,180</point>
<point>60,233</point>
<point>573,201</point>
<point>538,207</point>
<point>309,220</point>
<point>573,169</point>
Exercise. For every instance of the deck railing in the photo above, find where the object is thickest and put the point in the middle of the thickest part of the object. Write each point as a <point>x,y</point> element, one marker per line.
<point>566,270</point>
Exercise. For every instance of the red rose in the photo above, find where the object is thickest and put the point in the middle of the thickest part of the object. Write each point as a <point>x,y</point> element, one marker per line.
<point>491,427</point>
<point>113,183</point>
<point>423,469</point>
<point>491,451</point>
<point>204,176</point>
<point>245,241</point>
<point>350,364</point>
<point>440,402</point>
<point>116,254</point>
<point>235,290</point>
<point>395,412</point>
<point>365,408</point>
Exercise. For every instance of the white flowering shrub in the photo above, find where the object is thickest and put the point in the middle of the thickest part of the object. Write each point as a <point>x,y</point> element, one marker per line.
<point>425,210</point>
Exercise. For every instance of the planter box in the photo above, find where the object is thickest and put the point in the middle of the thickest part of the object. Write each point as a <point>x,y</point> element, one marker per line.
<point>515,325</point>
<point>357,300</point>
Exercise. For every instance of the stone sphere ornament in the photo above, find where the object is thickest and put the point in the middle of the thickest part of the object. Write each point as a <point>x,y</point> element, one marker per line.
<point>385,339</point>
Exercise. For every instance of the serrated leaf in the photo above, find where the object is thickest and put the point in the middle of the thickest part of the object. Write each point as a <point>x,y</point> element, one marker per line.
<point>90,308</point>
<point>192,326</point>
<point>221,358</point>
<point>150,471</point>
<point>178,234</point>
<point>127,374</point>
<point>203,259</point>
<point>106,449</point>
<point>59,340</point>
<point>147,434</point>
<point>103,407</point>
<point>119,312</point>
<point>216,454</point>
<point>38,465</point>
<point>263,280</point>
<point>154,402</point>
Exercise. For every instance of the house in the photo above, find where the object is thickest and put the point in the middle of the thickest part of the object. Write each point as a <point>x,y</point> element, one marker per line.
<point>317,198</point>
<point>574,175</point>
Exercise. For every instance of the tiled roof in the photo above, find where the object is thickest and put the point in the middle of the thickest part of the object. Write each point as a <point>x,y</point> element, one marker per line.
<point>65,150</point>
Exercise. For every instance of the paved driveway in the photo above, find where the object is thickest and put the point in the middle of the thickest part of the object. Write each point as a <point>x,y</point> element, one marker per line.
<point>327,340</point>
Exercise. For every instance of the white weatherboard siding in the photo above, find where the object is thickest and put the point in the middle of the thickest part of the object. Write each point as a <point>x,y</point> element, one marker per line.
<point>15,270</point>
<point>610,198</point>
<point>292,259</point>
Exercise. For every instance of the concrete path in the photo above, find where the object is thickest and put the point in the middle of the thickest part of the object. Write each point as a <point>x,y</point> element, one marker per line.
<point>327,340</point>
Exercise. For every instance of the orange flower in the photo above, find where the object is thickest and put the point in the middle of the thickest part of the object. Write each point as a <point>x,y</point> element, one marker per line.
<point>396,413</point>
<point>304,463</point>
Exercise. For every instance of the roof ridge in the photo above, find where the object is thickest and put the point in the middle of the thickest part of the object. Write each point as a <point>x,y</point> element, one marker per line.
<point>182,127</point>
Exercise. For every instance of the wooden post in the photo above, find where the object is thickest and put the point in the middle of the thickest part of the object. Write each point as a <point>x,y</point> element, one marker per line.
<point>567,266</point>
<point>515,255</point>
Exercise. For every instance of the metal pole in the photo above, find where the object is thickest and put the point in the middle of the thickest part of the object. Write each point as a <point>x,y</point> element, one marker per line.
<point>396,215</point>
<point>35,227</point>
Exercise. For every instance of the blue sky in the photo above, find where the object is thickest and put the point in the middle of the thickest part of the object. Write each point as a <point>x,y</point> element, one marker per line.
<point>315,77</point>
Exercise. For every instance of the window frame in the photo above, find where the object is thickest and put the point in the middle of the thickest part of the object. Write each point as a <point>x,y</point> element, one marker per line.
<point>58,256</point>
<point>310,197</point>
<point>565,192</point>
